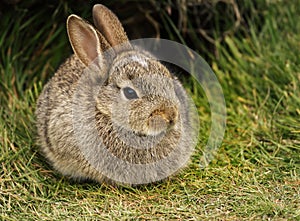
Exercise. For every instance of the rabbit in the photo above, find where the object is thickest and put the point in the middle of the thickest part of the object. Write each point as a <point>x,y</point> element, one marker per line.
<point>112,112</point>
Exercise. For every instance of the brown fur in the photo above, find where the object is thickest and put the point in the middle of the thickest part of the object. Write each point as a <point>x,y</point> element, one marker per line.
<point>82,108</point>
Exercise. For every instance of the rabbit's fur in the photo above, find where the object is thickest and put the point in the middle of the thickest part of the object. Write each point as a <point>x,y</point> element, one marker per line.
<point>80,114</point>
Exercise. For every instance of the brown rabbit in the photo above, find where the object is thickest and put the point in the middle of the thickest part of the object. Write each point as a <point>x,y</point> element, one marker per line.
<point>112,112</point>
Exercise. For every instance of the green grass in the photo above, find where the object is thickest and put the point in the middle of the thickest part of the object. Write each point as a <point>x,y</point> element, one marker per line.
<point>255,175</point>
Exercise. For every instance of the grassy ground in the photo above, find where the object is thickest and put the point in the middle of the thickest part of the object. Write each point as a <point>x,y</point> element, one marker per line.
<point>255,176</point>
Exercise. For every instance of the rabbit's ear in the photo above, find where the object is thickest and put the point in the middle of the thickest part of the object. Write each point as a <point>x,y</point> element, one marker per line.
<point>87,44</point>
<point>109,25</point>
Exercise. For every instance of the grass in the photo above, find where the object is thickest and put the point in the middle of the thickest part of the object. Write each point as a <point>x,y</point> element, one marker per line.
<point>255,176</point>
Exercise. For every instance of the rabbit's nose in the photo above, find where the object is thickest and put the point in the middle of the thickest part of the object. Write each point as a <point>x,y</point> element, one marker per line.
<point>168,113</point>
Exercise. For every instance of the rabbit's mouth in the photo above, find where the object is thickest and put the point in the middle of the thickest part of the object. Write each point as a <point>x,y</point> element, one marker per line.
<point>156,125</point>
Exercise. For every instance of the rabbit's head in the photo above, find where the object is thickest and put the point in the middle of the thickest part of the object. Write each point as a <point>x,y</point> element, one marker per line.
<point>138,93</point>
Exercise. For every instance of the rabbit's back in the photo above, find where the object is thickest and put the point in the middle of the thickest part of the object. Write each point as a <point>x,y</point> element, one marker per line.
<point>54,119</point>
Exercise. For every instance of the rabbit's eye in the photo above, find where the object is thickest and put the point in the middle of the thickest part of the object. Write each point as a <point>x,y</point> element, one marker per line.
<point>129,93</point>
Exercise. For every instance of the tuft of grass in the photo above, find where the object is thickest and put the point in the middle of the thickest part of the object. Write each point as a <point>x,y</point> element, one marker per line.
<point>255,175</point>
